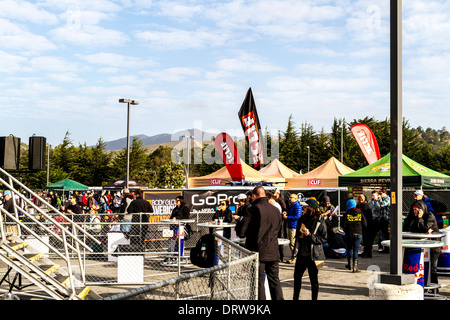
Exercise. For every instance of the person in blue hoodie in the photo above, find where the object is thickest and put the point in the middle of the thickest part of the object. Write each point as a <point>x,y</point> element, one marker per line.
<point>291,216</point>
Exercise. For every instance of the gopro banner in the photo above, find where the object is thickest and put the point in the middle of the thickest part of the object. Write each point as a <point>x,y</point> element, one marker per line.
<point>252,129</point>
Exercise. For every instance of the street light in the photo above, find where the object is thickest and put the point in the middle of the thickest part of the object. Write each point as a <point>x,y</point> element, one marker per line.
<point>307,147</point>
<point>342,143</point>
<point>188,157</point>
<point>128,102</point>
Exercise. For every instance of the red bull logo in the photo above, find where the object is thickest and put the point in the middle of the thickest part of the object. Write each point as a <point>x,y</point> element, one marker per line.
<point>414,268</point>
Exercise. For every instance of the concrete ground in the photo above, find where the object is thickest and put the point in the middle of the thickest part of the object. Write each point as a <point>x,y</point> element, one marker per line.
<point>338,283</point>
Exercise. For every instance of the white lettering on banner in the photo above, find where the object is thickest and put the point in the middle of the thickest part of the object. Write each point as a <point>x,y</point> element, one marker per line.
<point>227,151</point>
<point>365,142</point>
<point>249,120</point>
<point>253,138</point>
<point>314,182</point>
<point>215,182</point>
<point>212,200</point>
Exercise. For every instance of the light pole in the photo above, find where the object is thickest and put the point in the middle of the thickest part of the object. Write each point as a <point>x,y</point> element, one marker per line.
<point>307,147</point>
<point>341,126</point>
<point>188,142</point>
<point>128,102</point>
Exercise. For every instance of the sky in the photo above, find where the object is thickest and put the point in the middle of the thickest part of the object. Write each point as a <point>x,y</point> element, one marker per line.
<point>65,64</point>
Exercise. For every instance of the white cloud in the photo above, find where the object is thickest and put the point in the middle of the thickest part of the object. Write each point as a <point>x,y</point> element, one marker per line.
<point>179,39</point>
<point>89,36</point>
<point>17,38</point>
<point>26,12</point>
<point>246,62</point>
<point>117,61</point>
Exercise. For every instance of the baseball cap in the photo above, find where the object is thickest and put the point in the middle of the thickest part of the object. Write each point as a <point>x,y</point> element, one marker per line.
<point>241,196</point>
<point>418,193</point>
<point>312,203</point>
<point>7,192</point>
<point>351,204</point>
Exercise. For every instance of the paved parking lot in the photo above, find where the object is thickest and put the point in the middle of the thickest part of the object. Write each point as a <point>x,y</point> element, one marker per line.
<point>338,283</point>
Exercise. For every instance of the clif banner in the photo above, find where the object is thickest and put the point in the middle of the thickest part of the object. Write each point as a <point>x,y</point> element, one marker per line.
<point>366,141</point>
<point>230,155</point>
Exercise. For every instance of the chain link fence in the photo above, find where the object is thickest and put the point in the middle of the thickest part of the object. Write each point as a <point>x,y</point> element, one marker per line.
<point>233,278</point>
<point>130,253</point>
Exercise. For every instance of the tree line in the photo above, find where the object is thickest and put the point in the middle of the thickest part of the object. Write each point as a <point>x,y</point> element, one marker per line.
<point>95,166</point>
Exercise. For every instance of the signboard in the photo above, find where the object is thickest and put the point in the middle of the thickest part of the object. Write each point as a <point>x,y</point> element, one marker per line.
<point>163,202</point>
<point>314,182</point>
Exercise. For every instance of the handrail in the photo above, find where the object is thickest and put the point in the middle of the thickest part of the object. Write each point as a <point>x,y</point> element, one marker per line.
<point>50,206</point>
<point>34,234</point>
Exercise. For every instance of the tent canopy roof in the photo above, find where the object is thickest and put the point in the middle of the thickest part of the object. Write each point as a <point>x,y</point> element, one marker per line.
<point>325,175</point>
<point>120,184</point>
<point>277,169</point>
<point>379,173</point>
<point>67,184</point>
<point>222,174</point>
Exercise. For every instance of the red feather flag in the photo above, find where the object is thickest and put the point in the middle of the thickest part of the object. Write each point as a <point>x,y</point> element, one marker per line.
<point>366,141</point>
<point>230,155</point>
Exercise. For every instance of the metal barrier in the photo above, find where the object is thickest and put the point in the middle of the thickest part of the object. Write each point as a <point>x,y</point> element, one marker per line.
<point>68,240</point>
<point>234,278</point>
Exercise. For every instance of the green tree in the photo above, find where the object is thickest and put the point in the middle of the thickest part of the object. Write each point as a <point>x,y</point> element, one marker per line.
<point>289,146</point>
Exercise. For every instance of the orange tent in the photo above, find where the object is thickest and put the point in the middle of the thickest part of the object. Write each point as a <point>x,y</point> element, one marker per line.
<point>278,169</point>
<point>325,176</point>
<point>221,177</point>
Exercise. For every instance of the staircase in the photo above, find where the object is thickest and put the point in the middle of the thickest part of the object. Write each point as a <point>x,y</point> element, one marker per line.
<point>49,279</point>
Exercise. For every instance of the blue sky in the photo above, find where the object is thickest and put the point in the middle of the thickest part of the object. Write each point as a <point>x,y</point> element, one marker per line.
<point>65,64</point>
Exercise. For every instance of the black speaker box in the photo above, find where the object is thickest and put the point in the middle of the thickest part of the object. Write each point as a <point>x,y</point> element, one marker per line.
<point>9,153</point>
<point>36,153</point>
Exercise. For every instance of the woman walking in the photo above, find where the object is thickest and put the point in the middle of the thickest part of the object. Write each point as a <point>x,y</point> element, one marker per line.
<point>311,235</point>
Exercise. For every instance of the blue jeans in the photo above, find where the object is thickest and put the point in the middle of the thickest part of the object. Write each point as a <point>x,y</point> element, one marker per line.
<point>353,242</point>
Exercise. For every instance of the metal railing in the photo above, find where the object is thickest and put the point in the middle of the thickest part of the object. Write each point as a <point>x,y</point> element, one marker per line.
<point>234,278</point>
<point>63,246</point>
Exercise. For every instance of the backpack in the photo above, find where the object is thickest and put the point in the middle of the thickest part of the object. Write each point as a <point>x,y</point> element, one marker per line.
<point>202,255</point>
<point>437,206</point>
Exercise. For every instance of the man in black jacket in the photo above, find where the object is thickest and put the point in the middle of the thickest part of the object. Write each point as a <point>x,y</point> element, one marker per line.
<point>260,226</point>
<point>140,208</point>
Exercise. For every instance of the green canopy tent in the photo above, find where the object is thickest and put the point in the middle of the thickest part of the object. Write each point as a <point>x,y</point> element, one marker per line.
<point>379,172</point>
<point>67,184</point>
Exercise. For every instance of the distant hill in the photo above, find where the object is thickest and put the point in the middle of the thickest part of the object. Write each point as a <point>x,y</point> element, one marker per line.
<point>159,139</point>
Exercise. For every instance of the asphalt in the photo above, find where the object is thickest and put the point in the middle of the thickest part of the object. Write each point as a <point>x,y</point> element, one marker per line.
<point>338,283</point>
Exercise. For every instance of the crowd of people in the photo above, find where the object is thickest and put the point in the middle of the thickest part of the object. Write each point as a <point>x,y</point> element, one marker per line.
<point>97,211</point>
<point>314,230</point>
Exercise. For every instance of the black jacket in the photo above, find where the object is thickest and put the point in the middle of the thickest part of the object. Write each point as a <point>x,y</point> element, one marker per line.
<point>180,212</point>
<point>260,226</point>
<point>413,223</point>
<point>367,208</point>
<point>313,243</point>
<point>354,221</point>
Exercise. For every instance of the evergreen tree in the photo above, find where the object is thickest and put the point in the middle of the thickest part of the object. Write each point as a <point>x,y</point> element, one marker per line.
<point>289,147</point>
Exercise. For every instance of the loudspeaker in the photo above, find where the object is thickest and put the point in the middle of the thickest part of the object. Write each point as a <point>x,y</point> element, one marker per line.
<point>36,153</point>
<point>9,153</point>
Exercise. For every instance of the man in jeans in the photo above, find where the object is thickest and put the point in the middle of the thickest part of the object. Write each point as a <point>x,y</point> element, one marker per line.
<point>293,214</point>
